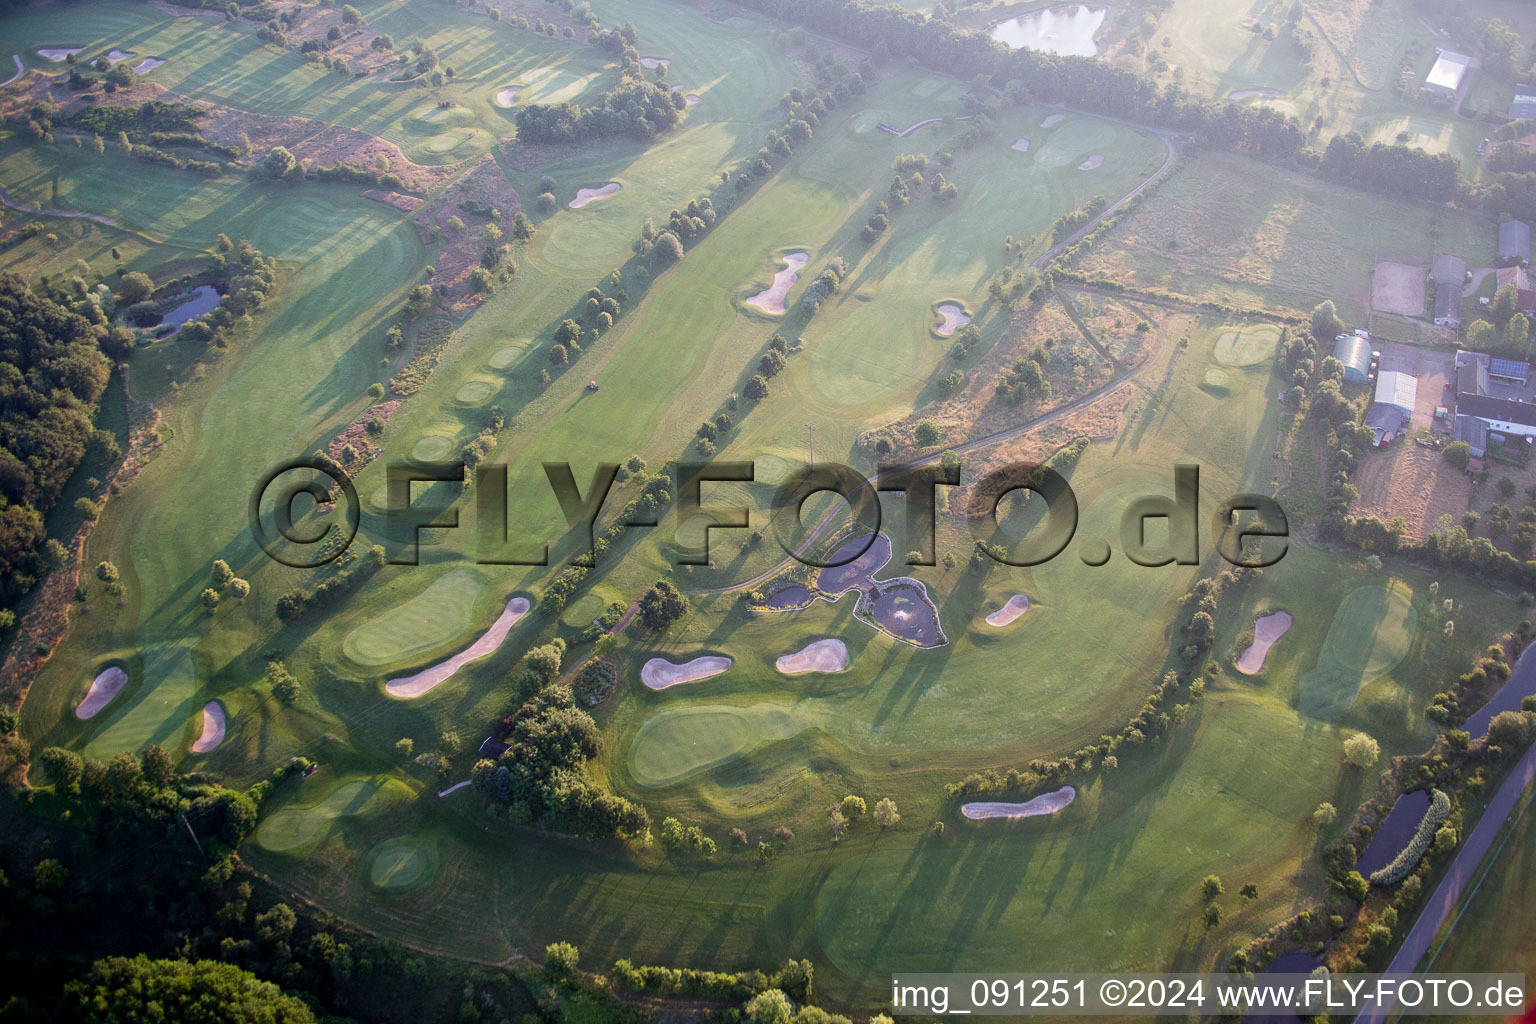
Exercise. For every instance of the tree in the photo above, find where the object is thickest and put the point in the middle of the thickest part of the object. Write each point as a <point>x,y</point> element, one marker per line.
<point>1361,750</point>
<point>853,808</point>
<point>1212,915</point>
<point>757,388</point>
<point>64,767</point>
<point>135,287</point>
<point>886,815</point>
<point>87,509</point>
<point>662,605</point>
<point>927,433</point>
<point>1249,891</point>
<point>350,15</point>
<point>118,990</point>
<point>106,572</point>
<point>284,686</point>
<point>561,961</point>
<point>210,598</point>
<point>768,1007</point>
<point>279,164</point>
<point>1457,454</point>
<point>1211,887</point>
<point>838,823</point>
<point>1325,815</point>
<point>1326,324</point>
<point>405,747</point>
<point>221,574</point>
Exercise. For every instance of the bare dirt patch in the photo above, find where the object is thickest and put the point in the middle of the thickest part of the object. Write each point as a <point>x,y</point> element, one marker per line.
<point>470,199</point>
<point>1413,482</point>
<point>1398,288</point>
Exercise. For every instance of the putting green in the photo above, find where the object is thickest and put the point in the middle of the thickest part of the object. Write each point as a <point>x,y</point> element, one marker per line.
<point>432,448</point>
<point>434,617</point>
<point>402,862</point>
<point>291,829</point>
<point>1371,633</point>
<point>158,710</point>
<point>693,531</point>
<point>580,612</point>
<point>1247,346</point>
<point>449,142</point>
<point>769,469</point>
<point>1215,378</point>
<point>474,392</point>
<point>1074,140</point>
<point>504,358</point>
<point>686,741</point>
<point>379,499</point>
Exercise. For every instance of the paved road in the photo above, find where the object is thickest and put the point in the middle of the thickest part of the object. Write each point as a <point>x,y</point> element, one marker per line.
<point>1443,903</point>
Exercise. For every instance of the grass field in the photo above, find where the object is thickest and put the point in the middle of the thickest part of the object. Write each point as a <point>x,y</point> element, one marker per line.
<point>1254,234</point>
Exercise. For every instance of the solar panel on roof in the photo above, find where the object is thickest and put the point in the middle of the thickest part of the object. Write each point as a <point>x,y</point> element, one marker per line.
<point>1509,368</point>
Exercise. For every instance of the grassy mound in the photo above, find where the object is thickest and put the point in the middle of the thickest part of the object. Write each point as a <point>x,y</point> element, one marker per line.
<point>474,392</point>
<point>1247,346</point>
<point>432,448</point>
<point>682,742</point>
<point>431,619</point>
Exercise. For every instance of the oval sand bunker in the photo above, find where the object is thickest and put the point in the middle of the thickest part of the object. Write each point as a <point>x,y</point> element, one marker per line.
<point>954,319</point>
<point>1017,605</point>
<point>508,96</point>
<point>411,687</point>
<point>1053,120</point>
<point>1021,146</point>
<point>771,299</point>
<point>1046,803</point>
<point>821,656</point>
<point>213,728</point>
<point>1091,162</point>
<point>1266,631</point>
<point>587,195</point>
<point>104,687</point>
<point>659,673</point>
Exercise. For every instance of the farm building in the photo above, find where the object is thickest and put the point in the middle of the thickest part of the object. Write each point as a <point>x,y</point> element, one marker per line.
<point>1448,306</point>
<point>1512,277</point>
<point>1448,270</point>
<point>1389,414</point>
<point>1515,243</point>
<point>1355,353</point>
<point>1523,107</point>
<point>1483,417</point>
<point>1447,74</point>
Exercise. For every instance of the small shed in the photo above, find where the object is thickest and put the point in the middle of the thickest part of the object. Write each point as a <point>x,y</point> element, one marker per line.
<point>1355,353</point>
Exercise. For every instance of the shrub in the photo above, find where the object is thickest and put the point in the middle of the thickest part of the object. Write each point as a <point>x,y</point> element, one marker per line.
<point>1408,858</point>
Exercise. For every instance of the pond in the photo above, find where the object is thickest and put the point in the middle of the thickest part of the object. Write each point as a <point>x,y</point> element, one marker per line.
<point>838,579</point>
<point>793,596</point>
<point>903,609</point>
<point>1520,686</point>
<point>1067,31</point>
<point>203,299</point>
<point>1294,962</point>
<point>1394,832</point>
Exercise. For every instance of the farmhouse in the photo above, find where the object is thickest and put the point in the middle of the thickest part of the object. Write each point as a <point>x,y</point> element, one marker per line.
<point>1389,414</point>
<point>1447,74</point>
<point>1354,352</point>
<point>1515,243</point>
<point>1488,410</point>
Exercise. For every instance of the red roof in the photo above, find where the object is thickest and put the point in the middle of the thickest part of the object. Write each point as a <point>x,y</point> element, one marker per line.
<point>1525,300</point>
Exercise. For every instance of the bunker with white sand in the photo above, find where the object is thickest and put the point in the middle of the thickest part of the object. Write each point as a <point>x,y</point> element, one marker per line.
<point>147,65</point>
<point>771,299</point>
<point>1053,120</point>
<point>1046,803</point>
<point>587,195</point>
<point>954,318</point>
<point>508,97</point>
<point>1021,145</point>
<point>413,686</point>
<point>829,655</point>
<point>213,728</point>
<point>659,673</point>
<point>1268,629</point>
<point>108,683</point>
<point>1091,162</point>
<point>59,53</point>
<point>1016,606</point>
<point>652,63</point>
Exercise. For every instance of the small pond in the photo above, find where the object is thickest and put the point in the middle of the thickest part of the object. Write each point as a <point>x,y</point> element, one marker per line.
<point>838,579</point>
<point>902,609</point>
<point>1294,962</point>
<point>1067,31</point>
<point>1394,832</point>
<point>789,597</point>
<point>203,299</point>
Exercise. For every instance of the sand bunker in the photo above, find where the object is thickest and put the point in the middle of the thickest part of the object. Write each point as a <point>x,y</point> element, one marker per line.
<point>587,195</point>
<point>213,728</point>
<point>1053,120</point>
<point>954,318</point>
<point>659,673</point>
<point>104,687</point>
<point>147,65</point>
<point>821,656</point>
<point>508,96</point>
<point>1047,803</point>
<point>655,62</point>
<point>1022,145</point>
<point>120,55</point>
<point>689,99</point>
<point>455,787</point>
<point>1091,162</point>
<point>1243,94</point>
<point>771,299</point>
<point>60,53</point>
<point>1266,631</point>
<point>411,687</point>
<point>1017,605</point>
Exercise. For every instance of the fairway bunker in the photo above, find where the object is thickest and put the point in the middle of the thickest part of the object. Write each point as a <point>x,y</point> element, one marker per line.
<point>587,195</point>
<point>820,656</point>
<point>107,684</point>
<point>1021,145</point>
<point>689,98</point>
<point>653,63</point>
<point>955,317</point>
<point>411,687</point>
<point>771,299</point>
<point>1046,803</point>
<point>115,56</point>
<point>1016,605</point>
<point>147,65</point>
<point>659,673</point>
<point>213,728</point>
<point>57,54</point>
<point>508,97</point>
<point>1053,120</point>
<point>1266,631</point>
<point>1091,162</point>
